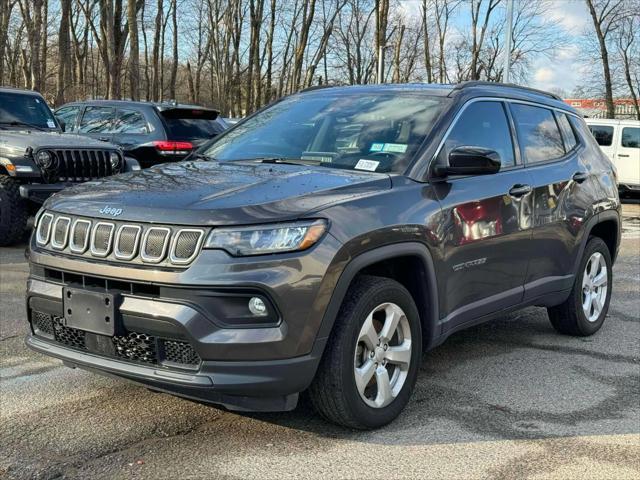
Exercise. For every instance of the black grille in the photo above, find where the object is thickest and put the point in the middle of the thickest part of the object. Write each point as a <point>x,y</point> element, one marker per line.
<point>155,243</point>
<point>79,235</point>
<point>70,337</point>
<point>83,165</point>
<point>102,238</point>
<point>132,346</point>
<point>180,352</point>
<point>127,241</point>
<point>186,244</point>
<point>42,322</point>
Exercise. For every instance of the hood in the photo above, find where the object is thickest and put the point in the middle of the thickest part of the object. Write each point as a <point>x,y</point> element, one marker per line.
<point>211,193</point>
<point>22,139</point>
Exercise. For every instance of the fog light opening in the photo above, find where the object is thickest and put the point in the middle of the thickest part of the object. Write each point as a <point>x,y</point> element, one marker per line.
<point>257,307</point>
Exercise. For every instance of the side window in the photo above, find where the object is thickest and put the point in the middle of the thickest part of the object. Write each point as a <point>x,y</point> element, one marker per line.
<point>631,137</point>
<point>568,134</point>
<point>130,121</point>
<point>603,134</point>
<point>69,115</point>
<point>483,124</point>
<point>538,133</point>
<point>96,120</point>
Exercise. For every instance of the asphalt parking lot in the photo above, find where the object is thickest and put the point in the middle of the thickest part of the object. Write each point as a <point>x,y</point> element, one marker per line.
<point>507,399</point>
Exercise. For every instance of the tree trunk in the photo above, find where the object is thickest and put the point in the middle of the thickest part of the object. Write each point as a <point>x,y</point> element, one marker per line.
<point>155,66</point>
<point>174,66</point>
<point>134,50</point>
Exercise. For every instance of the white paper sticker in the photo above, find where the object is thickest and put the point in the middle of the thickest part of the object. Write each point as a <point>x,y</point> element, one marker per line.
<point>51,124</point>
<point>369,165</point>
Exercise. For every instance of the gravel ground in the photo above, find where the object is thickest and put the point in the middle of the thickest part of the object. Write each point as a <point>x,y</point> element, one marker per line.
<point>507,399</point>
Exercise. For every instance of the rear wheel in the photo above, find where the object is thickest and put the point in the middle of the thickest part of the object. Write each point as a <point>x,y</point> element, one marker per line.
<point>583,313</point>
<point>371,363</point>
<point>13,212</point>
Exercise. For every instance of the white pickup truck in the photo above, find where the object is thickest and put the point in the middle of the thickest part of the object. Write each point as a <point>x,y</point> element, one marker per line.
<point>620,141</point>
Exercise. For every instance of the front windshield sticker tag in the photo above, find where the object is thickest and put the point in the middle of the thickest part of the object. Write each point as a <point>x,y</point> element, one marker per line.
<point>51,124</point>
<point>395,147</point>
<point>369,165</point>
<point>376,147</point>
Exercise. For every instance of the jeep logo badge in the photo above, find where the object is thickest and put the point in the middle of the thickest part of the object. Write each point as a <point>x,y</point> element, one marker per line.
<point>114,212</point>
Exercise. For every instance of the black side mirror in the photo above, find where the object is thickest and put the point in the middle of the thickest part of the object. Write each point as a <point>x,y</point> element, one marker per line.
<point>469,160</point>
<point>63,124</point>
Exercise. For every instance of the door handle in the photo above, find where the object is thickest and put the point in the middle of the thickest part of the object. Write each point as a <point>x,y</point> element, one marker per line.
<point>623,155</point>
<point>520,190</point>
<point>580,177</point>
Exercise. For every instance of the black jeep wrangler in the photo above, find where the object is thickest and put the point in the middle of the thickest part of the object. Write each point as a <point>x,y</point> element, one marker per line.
<point>36,160</point>
<point>324,243</point>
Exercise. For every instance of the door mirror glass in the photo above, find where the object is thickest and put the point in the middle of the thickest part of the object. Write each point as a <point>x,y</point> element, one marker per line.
<point>470,160</point>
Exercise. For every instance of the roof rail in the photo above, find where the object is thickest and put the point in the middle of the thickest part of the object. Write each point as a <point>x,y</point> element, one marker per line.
<point>483,83</point>
<point>320,87</point>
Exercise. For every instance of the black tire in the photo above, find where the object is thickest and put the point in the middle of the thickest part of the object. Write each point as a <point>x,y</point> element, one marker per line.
<point>333,392</point>
<point>13,212</point>
<point>569,317</point>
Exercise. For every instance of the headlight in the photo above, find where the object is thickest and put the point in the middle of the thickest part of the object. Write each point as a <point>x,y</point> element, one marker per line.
<point>264,239</point>
<point>116,161</point>
<point>44,159</point>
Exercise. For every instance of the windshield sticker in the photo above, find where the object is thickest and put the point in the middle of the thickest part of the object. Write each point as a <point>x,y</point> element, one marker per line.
<point>369,165</point>
<point>317,158</point>
<point>395,147</point>
<point>51,124</point>
<point>376,147</point>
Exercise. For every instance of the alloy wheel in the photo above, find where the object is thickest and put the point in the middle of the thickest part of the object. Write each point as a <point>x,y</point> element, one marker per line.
<point>594,286</point>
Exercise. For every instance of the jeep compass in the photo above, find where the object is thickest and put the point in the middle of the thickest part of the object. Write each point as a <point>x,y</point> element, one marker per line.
<point>322,244</point>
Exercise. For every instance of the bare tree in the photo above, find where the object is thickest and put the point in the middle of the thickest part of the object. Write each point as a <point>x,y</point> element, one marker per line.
<point>627,40</point>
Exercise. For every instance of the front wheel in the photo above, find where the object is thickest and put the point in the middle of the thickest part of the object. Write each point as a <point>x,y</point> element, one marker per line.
<point>583,313</point>
<point>370,365</point>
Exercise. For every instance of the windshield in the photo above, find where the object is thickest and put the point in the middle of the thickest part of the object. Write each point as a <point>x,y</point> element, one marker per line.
<point>371,132</point>
<point>25,110</point>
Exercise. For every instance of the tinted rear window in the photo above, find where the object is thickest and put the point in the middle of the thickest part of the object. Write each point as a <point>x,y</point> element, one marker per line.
<point>187,124</point>
<point>603,134</point>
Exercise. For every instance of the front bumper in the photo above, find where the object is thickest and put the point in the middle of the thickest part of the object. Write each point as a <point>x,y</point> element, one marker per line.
<point>264,386</point>
<point>38,193</point>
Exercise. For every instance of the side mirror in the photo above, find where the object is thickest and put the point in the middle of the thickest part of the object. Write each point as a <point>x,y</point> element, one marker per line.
<point>469,160</point>
<point>63,124</point>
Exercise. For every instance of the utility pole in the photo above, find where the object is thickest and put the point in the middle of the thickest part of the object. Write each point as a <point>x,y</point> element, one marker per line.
<point>507,43</point>
<point>381,49</point>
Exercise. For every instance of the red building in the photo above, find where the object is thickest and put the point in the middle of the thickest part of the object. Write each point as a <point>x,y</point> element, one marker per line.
<point>597,108</point>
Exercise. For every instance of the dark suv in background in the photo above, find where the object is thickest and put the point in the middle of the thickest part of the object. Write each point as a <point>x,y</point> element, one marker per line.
<point>36,160</point>
<point>324,243</point>
<point>149,132</point>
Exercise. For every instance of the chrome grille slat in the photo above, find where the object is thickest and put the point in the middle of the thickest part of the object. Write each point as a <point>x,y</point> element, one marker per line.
<point>60,232</point>
<point>154,244</point>
<point>102,239</point>
<point>127,239</point>
<point>79,241</point>
<point>119,241</point>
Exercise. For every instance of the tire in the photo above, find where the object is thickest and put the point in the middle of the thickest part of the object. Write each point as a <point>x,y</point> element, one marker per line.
<point>570,317</point>
<point>13,212</point>
<point>334,392</point>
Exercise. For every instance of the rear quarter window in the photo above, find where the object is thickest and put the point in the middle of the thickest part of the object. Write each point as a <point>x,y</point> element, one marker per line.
<point>603,134</point>
<point>538,133</point>
<point>570,140</point>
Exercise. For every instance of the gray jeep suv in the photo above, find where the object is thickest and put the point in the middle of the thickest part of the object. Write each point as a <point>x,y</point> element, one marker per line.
<point>322,244</point>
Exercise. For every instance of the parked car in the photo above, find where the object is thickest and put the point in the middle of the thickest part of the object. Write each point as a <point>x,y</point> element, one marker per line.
<point>36,160</point>
<point>151,133</point>
<point>325,242</point>
<point>620,141</point>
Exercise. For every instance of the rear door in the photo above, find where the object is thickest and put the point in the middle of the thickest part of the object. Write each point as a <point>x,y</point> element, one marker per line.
<point>97,122</point>
<point>627,159</point>
<point>130,128</point>
<point>563,188</point>
<point>486,220</point>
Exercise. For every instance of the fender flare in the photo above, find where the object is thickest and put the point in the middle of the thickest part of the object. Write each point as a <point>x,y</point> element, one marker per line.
<point>604,216</point>
<point>370,257</point>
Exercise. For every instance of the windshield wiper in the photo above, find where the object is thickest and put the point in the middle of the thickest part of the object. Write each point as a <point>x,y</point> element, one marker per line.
<point>285,161</point>
<point>16,123</point>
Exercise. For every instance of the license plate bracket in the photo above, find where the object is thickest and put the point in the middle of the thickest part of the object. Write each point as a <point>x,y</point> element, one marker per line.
<point>90,311</point>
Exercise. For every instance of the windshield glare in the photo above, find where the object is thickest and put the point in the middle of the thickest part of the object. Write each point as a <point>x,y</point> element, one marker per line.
<point>25,109</point>
<point>370,132</point>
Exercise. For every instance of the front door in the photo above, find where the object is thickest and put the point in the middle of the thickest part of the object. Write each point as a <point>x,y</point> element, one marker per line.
<point>486,221</point>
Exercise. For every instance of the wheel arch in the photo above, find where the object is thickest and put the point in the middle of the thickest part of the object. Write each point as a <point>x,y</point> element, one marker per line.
<point>409,263</point>
<point>604,225</point>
